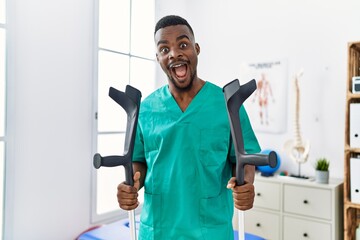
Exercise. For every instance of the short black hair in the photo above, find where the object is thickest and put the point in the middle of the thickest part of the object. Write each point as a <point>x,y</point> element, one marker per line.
<point>172,20</point>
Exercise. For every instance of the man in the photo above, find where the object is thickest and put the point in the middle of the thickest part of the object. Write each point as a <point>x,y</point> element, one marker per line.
<point>183,154</point>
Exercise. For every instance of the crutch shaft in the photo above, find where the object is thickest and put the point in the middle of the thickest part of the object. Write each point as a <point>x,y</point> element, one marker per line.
<point>132,224</point>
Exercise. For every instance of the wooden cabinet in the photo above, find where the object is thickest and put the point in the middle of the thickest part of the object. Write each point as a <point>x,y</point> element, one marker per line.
<point>289,208</point>
<point>351,210</point>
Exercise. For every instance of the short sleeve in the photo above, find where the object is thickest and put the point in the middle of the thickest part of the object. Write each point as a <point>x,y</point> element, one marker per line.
<point>139,153</point>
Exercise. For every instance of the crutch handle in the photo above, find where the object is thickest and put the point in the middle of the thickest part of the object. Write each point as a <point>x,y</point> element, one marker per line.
<point>113,161</point>
<point>255,160</point>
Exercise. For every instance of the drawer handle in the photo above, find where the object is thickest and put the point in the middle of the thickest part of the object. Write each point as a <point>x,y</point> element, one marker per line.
<point>258,194</point>
<point>305,201</point>
<point>258,225</point>
<point>305,235</point>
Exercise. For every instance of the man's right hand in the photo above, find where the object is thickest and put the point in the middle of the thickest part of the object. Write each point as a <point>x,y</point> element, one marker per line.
<point>128,195</point>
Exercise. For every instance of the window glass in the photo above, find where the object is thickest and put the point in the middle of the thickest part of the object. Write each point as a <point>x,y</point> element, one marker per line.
<point>2,82</point>
<point>113,72</point>
<point>117,67</point>
<point>142,28</point>
<point>114,25</point>
<point>142,75</point>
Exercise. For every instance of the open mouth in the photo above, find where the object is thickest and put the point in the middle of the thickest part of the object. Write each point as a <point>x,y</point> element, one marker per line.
<point>179,70</point>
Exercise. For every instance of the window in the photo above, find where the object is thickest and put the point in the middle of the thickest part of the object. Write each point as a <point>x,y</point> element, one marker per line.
<point>124,55</point>
<point>2,109</point>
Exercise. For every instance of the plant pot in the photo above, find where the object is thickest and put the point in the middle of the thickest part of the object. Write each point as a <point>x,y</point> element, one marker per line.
<point>322,176</point>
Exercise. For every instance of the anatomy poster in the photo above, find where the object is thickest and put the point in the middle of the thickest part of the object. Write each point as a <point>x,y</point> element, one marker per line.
<point>266,107</point>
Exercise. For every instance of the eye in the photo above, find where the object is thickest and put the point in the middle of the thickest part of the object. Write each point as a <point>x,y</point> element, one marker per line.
<point>183,45</point>
<point>164,50</point>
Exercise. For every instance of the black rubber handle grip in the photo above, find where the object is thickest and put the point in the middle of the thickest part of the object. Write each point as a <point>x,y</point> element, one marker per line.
<point>113,161</point>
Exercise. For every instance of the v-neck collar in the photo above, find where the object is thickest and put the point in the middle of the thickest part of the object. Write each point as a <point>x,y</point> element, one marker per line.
<point>194,104</point>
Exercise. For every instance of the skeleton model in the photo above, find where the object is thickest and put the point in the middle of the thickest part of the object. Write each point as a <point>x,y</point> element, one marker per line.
<point>297,149</point>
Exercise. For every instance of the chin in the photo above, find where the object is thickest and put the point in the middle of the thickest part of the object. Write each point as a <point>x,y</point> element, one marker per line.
<point>183,86</point>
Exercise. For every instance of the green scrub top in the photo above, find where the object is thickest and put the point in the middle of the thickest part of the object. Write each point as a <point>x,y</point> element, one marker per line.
<point>188,165</point>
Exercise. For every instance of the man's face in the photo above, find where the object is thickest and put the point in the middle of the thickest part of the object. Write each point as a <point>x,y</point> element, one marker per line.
<point>176,52</point>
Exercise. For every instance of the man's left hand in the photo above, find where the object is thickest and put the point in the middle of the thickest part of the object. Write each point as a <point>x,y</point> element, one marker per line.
<point>243,195</point>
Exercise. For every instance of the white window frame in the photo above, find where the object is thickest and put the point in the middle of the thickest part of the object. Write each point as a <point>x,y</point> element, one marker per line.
<point>3,138</point>
<point>118,214</point>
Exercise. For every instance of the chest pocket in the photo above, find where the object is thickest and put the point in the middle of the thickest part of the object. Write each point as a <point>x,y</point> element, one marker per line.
<point>214,146</point>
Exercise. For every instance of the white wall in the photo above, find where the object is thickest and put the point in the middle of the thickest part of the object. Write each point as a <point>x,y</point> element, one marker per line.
<point>49,119</point>
<point>308,34</point>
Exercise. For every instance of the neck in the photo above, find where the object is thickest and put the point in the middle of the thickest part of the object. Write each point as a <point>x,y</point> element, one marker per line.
<point>183,97</point>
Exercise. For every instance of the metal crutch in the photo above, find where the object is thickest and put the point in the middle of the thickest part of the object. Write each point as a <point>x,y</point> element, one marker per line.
<point>235,96</point>
<point>130,102</point>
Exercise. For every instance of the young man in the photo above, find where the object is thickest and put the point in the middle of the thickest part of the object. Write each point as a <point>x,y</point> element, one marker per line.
<point>183,155</point>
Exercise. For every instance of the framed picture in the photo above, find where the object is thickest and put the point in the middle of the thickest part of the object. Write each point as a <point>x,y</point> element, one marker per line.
<point>266,107</point>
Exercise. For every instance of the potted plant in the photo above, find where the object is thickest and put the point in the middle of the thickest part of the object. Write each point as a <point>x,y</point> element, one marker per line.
<point>322,170</point>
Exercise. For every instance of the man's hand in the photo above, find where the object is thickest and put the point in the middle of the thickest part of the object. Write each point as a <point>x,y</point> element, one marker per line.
<point>243,195</point>
<point>128,195</point>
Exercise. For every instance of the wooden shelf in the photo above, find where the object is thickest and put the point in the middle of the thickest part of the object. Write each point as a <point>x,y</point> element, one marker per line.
<point>353,150</point>
<point>351,210</point>
<point>351,96</point>
<point>349,204</point>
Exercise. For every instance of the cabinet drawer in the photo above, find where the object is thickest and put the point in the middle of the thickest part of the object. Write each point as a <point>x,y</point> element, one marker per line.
<point>263,224</point>
<point>267,195</point>
<point>308,201</point>
<point>298,229</point>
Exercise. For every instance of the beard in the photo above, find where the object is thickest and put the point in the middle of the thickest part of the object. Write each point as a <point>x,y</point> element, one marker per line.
<point>184,88</point>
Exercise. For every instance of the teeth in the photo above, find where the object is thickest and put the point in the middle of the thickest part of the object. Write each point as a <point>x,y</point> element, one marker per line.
<point>177,65</point>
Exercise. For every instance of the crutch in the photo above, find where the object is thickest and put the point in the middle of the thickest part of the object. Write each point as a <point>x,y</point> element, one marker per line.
<point>130,102</point>
<point>235,96</point>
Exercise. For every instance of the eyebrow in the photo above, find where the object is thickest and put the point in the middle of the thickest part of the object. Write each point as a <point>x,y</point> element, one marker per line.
<point>177,39</point>
<point>181,37</point>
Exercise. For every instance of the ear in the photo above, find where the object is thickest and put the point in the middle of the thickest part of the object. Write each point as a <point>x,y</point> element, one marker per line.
<point>157,57</point>
<point>197,47</point>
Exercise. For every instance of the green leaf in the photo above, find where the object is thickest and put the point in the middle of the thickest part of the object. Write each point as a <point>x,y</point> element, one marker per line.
<point>322,164</point>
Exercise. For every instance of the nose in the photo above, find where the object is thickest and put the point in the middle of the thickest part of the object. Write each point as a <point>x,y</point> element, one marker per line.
<point>174,53</point>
